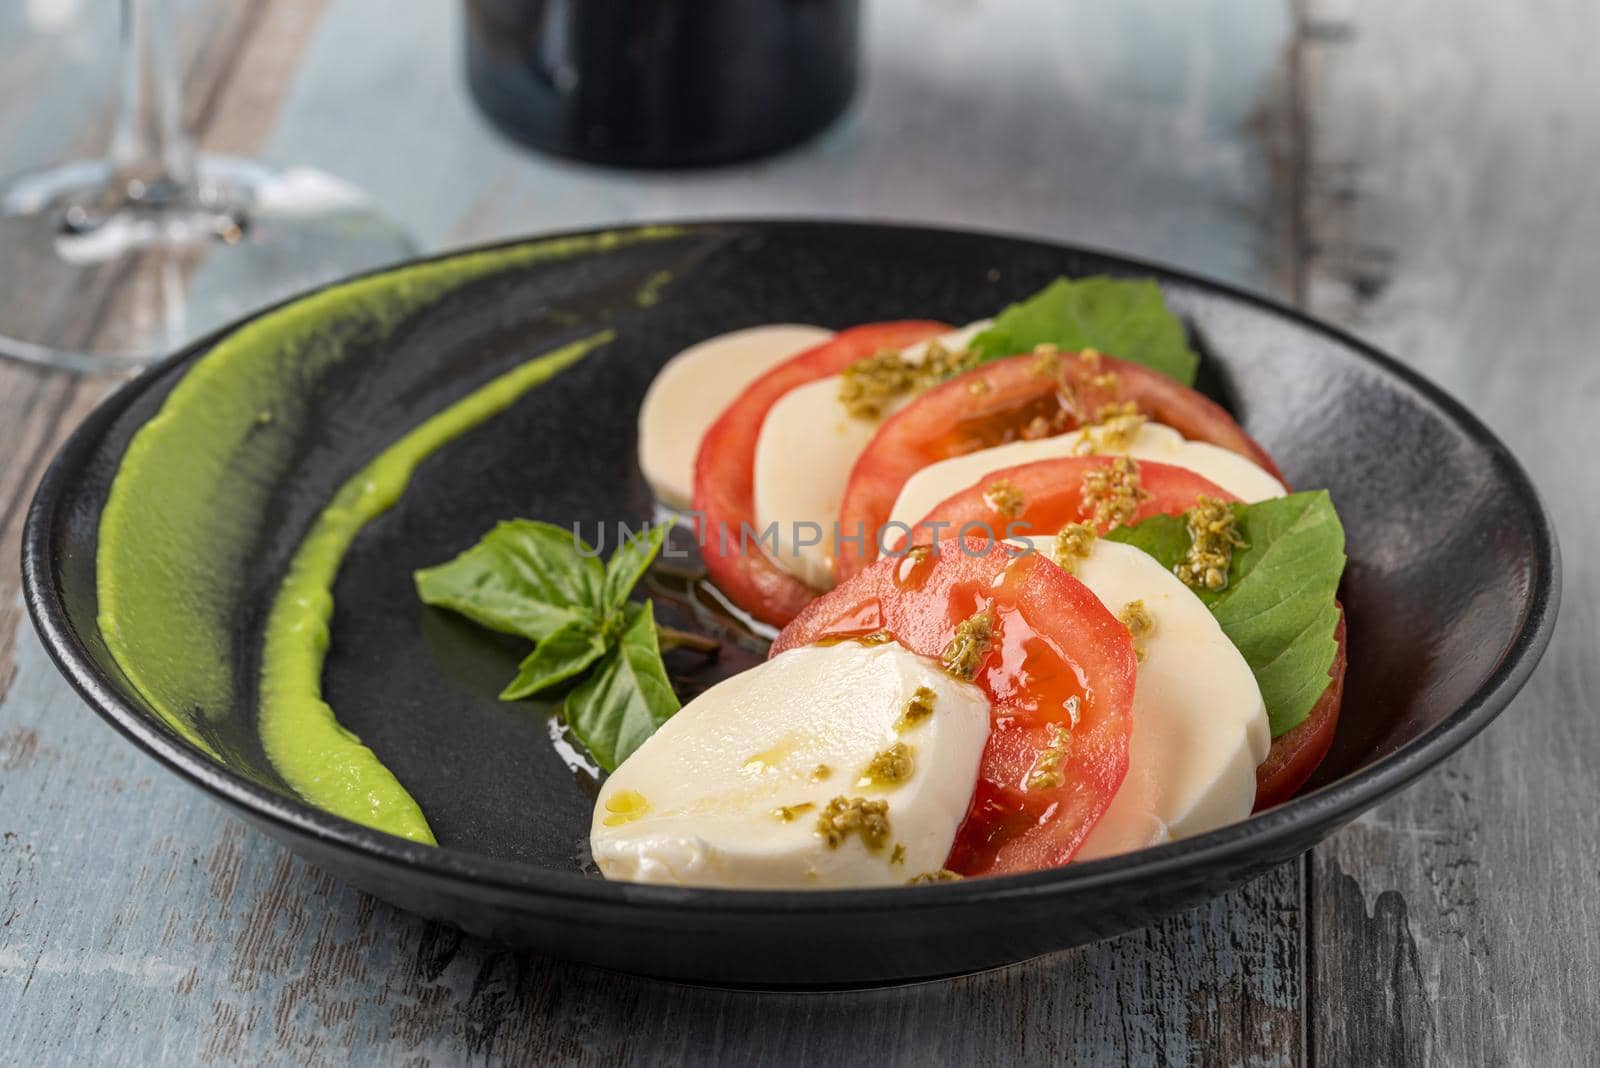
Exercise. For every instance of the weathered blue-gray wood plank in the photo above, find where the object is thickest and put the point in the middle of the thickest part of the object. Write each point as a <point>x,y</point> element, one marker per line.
<point>1453,208</point>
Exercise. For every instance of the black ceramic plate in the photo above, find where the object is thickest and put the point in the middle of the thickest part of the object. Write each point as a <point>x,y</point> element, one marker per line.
<point>1451,592</point>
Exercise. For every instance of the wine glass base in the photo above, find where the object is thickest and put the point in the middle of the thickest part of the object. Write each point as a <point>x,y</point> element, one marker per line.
<point>95,283</point>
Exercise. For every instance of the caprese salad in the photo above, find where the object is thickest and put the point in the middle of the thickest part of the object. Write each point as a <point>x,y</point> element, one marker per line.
<point>1040,601</point>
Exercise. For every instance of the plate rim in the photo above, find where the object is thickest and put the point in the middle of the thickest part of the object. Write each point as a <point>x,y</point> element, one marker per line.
<point>1255,836</point>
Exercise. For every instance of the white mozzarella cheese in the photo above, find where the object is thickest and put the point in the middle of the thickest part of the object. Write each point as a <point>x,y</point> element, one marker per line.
<point>1241,477</point>
<point>729,791</point>
<point>809,442</point>
<point>808,445</point>
<point>694,388</point>
<point>1199,724</point>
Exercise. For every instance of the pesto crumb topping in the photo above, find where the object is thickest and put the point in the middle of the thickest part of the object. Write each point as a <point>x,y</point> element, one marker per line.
<point>1004,498</point>
<point>1213,536</point>
<point>1107,412</point>
<point>845,816</point>
<point>1074,543</point>
<point>1111,494</point>
<point>787,813</point>
<point>1046,360</point>
<point>1046,771</point>
<point>1036,428</point>
<point>869,386</point>
<point>942,875</point>
<point>1118,425</point>
<point>899,854</point>
<point>821,773</point>
<point>1140,623</point>
<point>940,363</point>
<point>919,708</point>
<point>891,767</point>
<point>964,655</point>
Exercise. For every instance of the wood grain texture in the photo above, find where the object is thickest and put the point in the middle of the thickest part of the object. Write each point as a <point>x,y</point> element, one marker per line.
<point>1451,212</point>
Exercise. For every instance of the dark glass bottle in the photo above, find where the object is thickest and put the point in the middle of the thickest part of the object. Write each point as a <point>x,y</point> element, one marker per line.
<point>662,83</point>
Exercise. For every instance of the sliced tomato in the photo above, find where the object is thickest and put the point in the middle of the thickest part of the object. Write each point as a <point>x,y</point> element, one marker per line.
<point>1052,491</point>
<point>1017,397</point>
<point>724,469</point>
<point>1296,753</point>
<point>1052,497</point>
<point>1058,652</point>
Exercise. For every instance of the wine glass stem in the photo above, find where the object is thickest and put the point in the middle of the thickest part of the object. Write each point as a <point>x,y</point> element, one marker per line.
<point>152,159</point>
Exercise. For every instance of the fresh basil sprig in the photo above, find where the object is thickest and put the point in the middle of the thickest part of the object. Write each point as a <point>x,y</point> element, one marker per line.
<point>543,583</point>
<point>1120,317</point>
<point>627,697</point>
<point>1278,607</point>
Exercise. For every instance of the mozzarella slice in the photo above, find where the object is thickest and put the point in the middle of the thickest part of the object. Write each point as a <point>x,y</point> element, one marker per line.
<point>935,483</point>
<point>808,444</point>
<point>729,791</point>
<point>1199,724</point>
<point>694,388</point>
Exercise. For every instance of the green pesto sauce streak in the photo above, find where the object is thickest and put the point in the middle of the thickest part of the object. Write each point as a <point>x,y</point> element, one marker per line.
<point>326,764</point>
<point>190,494</point>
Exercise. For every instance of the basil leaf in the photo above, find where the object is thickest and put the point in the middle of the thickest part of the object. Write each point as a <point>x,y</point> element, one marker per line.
<point>1165,537</point>
<point>1120,317</point>
<point>560,655</point>
<point>629,563</point>
<point>525,577</point>
<point>1278,607</point>
<point>626,697</point>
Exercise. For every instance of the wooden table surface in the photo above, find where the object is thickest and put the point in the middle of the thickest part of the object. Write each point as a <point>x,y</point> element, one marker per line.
<point>1429,182</point>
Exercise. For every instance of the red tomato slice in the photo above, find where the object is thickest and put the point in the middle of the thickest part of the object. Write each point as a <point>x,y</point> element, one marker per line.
<point>724,469</point>
<point>1057,646</point>
<point>1052,496</point>
<point>1052,490</point>
<point>1296,753</point>
<point>1017,397</point>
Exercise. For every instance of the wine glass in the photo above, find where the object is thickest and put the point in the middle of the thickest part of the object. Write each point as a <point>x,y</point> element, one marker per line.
<point>110,264</point>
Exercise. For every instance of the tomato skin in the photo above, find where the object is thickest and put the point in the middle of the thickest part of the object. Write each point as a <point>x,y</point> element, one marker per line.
<point>1053,492</point>
<point>1056,642</point>
<point>1297,753</point>
<point>1189,412</point>
<point>724,468</point>
<point>1006,400</point>
<point>1051,488</point>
